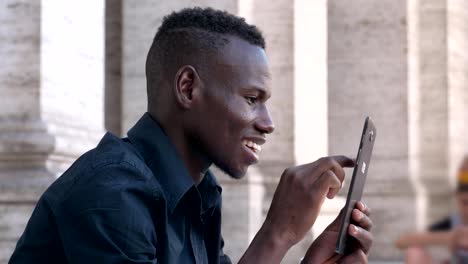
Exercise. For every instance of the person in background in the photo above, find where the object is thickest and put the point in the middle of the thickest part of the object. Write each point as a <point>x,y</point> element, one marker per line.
<point>450,232</point>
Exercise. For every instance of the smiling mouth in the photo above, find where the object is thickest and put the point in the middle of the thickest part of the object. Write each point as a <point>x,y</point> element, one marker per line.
<point>253,146</point>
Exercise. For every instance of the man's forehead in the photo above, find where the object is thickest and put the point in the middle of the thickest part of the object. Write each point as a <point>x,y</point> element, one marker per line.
<point>238,52</point>
<point>243,68</point>
<point>243,63</point>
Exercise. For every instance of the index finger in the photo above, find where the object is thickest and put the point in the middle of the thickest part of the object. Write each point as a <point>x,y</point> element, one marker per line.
<point>336,164</point>
<point>344,161</point>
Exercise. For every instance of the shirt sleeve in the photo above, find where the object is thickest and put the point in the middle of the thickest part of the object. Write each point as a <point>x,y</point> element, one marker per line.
<point>443,225</point>
<point>108,219</point>
<point>223,258</point>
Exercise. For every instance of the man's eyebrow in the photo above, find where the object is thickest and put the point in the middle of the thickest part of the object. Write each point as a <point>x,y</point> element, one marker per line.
<point>264,92</point>
<point>267,74</point>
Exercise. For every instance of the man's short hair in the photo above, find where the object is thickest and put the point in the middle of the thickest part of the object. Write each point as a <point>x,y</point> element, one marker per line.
<point>462,179</point>
<point>188,37</point>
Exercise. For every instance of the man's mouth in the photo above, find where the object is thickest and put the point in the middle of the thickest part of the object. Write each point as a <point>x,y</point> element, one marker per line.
<point>252,145</point>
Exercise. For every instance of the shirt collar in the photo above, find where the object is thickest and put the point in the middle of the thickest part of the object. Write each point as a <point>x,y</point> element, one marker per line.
<point>167,166</point>
<point>210,192</point>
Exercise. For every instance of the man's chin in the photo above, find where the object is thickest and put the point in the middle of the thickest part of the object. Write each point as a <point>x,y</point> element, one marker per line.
<point>237,176</point>
<point>233,173</point>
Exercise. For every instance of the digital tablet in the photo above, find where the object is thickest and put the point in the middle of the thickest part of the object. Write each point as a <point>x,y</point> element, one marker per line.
<point>357,181</point>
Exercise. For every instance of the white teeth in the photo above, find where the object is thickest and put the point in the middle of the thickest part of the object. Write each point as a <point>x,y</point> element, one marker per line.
<point>258,147</point>
<point>252,145</point>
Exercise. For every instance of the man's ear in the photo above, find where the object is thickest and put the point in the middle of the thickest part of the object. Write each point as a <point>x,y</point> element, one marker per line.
<point>186,85</point>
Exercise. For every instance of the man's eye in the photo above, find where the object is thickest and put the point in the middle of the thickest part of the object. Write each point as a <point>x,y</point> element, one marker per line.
<point>251,100</point>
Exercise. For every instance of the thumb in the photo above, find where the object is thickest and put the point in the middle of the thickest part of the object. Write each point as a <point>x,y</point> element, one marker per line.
<point>335,225</point>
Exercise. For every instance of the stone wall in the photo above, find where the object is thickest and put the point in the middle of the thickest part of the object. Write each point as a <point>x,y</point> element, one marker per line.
<point>457,15</point>
<point>51,84</point>
<point>333,62</point>
<point>113,67</point>
<point>429,115</point>
<point>367,75</point>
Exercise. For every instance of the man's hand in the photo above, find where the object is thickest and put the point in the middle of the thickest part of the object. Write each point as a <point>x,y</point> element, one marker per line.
<point>322,249</point>
<point>459,238</point>
<point>295,207</point>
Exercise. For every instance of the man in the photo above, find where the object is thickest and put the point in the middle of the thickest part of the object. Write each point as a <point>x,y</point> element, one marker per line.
<point>451,232</point>
<point>150,198</point>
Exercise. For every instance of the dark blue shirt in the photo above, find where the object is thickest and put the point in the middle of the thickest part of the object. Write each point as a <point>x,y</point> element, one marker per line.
<point>128,200</point>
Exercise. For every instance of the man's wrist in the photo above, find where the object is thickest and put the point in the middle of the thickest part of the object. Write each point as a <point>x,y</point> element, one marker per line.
<point>268,246</point>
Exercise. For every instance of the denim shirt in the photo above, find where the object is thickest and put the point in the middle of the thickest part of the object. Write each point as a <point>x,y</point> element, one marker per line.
<point>128,200</point>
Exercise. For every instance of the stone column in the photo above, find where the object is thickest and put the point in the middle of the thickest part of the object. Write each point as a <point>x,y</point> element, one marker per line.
<point>242,210</point>
<point>429,108</point>
<point>310,80</point>
<point>457,14</point>
<point>23,136</point>
<point>113,67</point>
<point>438,103</point>
<point>311,94</point>
<point>72,76</point>
<point>367,75</point>
<point>52,83</point>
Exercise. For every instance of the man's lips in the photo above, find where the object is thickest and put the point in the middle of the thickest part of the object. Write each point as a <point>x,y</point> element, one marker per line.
<point>252,154</point>
<point>252,145</point>
<point>259,140</point>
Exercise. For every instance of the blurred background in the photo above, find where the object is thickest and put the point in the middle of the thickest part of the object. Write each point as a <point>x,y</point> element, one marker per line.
<point>70,70</point>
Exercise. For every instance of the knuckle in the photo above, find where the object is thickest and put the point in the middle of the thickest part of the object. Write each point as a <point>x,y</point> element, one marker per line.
<point>289,174</point>
<point>288,171</point>
<point>292,176</point>
<point>368,211</point>
<point>332,178</point>
<point>327,160</point>
<point>329,174</point>
<point>371,240</point>
<point>329,163</point>
<point>322,159</point>
<point>370,223</point>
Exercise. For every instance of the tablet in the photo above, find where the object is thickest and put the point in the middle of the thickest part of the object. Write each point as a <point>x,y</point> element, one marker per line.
<point>357,181</point>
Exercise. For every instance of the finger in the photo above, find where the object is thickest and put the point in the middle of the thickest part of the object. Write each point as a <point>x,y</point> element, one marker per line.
<point>329,163</point>
<point>334,226</point>
<point>344,161</point>
<point>328,178</point>
<point>334,184</point>
<point>363,236</point>
<point>357,256</point>
<point>363,208</point>
<point>362,219</point>
<point>334,259</point>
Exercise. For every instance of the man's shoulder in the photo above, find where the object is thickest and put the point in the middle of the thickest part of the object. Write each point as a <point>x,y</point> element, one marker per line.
<point>112,151</point>
<point>113,165</point>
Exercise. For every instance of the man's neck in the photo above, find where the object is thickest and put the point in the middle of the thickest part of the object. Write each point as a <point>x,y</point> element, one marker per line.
<point>195,163</point>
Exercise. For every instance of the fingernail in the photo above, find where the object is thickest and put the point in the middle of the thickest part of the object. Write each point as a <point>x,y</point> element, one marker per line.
<point>364,206</point>
<point>354,228</point>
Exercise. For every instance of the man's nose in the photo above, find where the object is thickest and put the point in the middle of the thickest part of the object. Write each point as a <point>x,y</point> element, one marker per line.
<point>265,122</point>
